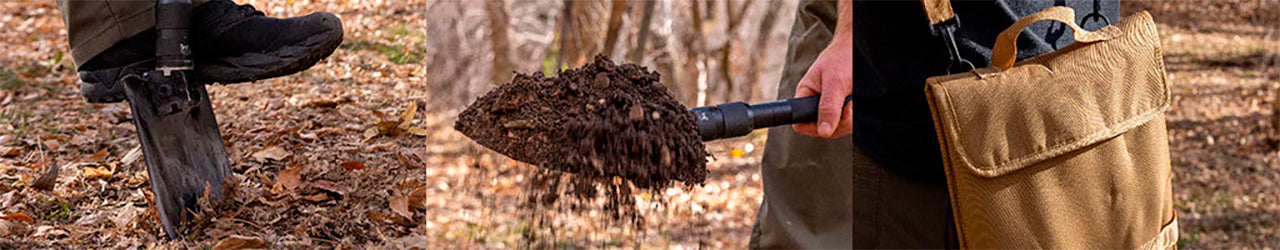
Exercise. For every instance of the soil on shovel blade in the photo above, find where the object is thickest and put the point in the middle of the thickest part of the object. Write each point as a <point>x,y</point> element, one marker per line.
<point>599,122</point>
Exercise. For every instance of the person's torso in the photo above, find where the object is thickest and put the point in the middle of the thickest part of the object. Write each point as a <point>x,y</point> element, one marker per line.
<point>895,50</point>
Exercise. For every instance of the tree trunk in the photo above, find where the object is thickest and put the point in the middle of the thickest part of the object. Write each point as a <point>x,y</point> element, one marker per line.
<point>758,52</point>
<point>615,20</point>
<point>566,20</point>
<point>501,44</point>
<point>643,39</point>
<point>695,46</point>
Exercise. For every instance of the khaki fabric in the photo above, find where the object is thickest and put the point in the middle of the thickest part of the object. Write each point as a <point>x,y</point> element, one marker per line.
<point>1066,150</point>
<point>95,25</point>
<point>808,182</point>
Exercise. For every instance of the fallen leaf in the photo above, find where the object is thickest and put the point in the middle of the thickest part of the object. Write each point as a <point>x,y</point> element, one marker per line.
<point>137,179</point>
<point>20,216</point>
<point>93,218</point>
<point>317,197</point>
<point>400,204</point>
<point>410,158</point>
<point>99,156</point>
<point>388,218</point>
<point>328,186</point>
<point>90,173</point>
<point>289,179</point>
<point>274,153</point>
<point>736,153</point>
<point>406,120</point>
<point>10,151</point>
<point>418,131</point>
<point>12,229</point>
<point>234,242</point>
<point>46,180</point>
<point>52,145</point>
<point>327,103</point>
<point>353,165</point>
<point>49,231</point>
<point>132,156</point>
<point>264,200</point>
<point>418,198</point>
<point>126,217</point>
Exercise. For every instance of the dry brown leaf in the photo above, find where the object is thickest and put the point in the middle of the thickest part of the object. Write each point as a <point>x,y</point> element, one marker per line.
<point>388,218</point>
<point>418,131</point>
<point>132,156</point>
<point>327,103</point>
<point>52,145</point>
<point>289,179</point>
<point>317,197</point>
<point>13,229</point>
<point>410,158</point>
<point>48,179</point>
<point>90,173</point>
<point>353,165</point>
<point>418,198</point>
<point>235,242</point>
<point>10,151</point>
<point>274,153</point>
<point>328,186</point>
<point>406,120</point>
<point>400,204</point>
<point>49,231</point>
<point>19,216</point>
<point>100,155</point>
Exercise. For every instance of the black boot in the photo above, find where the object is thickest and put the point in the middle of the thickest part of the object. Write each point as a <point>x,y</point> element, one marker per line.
<point>232,44</point>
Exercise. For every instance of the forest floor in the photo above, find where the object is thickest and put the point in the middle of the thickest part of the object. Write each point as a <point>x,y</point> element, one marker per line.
<point>353,152</point>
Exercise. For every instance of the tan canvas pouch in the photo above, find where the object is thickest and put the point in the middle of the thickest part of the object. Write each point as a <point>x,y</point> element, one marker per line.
<point>1064,150</point>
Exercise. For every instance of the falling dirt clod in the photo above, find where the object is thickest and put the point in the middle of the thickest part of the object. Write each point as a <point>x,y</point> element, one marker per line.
<point>599,121</point>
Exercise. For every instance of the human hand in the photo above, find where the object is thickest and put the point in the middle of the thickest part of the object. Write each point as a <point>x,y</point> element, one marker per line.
<point>832,76</point>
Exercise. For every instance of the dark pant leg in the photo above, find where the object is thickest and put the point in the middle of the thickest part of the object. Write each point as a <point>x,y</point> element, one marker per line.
<point>95,25</point>
<point>822,193</point>
<point>808,192</point>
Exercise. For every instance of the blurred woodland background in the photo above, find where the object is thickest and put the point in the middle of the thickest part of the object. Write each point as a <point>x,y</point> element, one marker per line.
<point>706,51</point>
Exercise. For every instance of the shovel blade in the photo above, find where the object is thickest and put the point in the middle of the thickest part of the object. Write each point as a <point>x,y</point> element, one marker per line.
<point>184,152</point>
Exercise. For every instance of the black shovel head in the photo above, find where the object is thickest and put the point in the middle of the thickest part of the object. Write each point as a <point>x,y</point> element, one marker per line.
<point>184,152</point>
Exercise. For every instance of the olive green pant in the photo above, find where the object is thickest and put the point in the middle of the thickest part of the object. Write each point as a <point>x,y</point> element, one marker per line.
<point>823,193</point>
<point>95,25</point>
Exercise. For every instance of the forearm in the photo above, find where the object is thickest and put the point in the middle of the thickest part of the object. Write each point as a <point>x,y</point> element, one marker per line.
<point>844,22</point>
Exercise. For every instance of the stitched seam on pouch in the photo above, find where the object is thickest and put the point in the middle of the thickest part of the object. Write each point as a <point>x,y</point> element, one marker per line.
<point>1002,167</point>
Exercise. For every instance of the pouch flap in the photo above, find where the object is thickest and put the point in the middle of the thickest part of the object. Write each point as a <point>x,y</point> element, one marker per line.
<point>1050,105</point>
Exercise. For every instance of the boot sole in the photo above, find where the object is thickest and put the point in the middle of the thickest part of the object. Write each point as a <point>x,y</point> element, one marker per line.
<point>247,67</point>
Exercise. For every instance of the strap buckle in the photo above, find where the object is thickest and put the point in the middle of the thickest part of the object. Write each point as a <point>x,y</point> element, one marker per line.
<point>946,30</point>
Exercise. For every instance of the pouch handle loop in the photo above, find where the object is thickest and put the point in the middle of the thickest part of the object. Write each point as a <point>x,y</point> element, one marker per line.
<point>1005,51</point>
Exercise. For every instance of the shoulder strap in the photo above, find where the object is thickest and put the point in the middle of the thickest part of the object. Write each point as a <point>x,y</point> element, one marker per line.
<point>937,10</point>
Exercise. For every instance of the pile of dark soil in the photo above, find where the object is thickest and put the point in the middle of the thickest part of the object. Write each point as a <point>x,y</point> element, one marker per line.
<point>600,122</point>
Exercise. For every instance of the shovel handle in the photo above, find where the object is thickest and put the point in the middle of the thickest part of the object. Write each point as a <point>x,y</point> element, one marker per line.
<point>738,118</point>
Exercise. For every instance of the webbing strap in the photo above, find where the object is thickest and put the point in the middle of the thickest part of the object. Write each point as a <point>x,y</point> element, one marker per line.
<point>937,10</point>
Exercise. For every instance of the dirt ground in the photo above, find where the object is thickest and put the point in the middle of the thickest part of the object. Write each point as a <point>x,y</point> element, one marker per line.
<point>313,173</point>
<point>328,158</point>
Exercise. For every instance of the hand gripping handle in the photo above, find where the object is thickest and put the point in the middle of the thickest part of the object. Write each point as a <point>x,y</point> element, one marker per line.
<point>738,118</point>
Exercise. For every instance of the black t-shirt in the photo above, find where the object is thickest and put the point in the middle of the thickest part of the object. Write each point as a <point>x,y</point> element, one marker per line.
<point>895,50</point>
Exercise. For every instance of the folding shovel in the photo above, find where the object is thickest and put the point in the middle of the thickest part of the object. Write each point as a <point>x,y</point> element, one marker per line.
<point>735,119</point>
<point>185,155</point>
